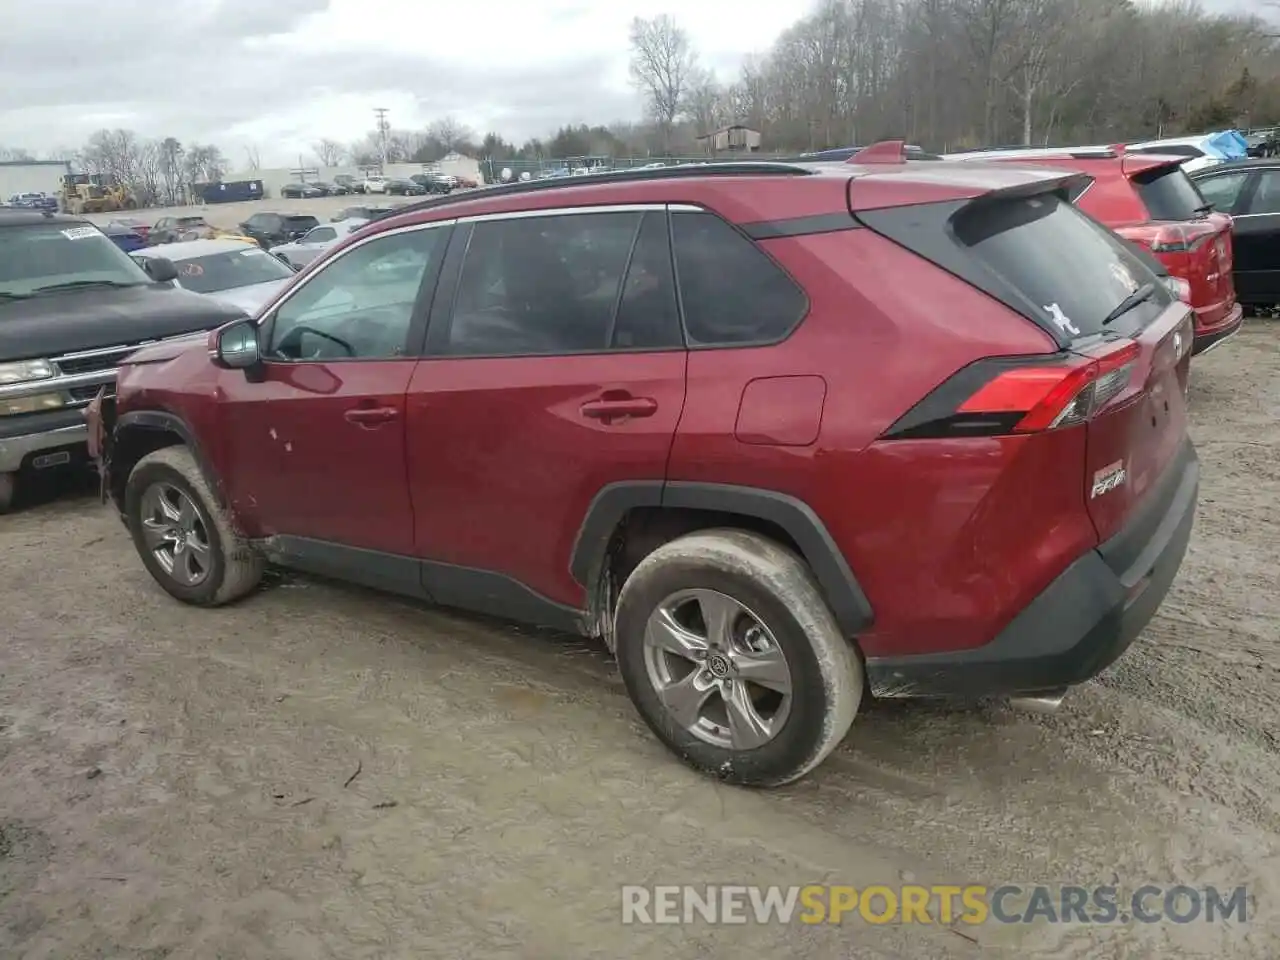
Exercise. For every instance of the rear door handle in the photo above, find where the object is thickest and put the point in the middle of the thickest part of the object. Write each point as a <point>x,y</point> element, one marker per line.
<point>622,407</point>
<point>370,416</point>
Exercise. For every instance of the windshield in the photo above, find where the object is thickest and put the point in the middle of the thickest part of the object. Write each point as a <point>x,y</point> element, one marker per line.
<point>226,271</point>
<point>1169,194</point>
<point>47,254</point>
<point>1070,268</point>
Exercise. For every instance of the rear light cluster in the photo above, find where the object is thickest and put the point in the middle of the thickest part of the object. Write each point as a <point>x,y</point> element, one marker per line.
<point>1171,237</point>
<point>1025,395</point>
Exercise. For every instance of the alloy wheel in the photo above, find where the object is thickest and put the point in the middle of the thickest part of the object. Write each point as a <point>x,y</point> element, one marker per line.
<point>717,669</point>
<point>176,534</point>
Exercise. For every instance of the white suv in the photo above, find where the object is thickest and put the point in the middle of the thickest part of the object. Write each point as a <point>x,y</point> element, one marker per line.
<point>375,184</point>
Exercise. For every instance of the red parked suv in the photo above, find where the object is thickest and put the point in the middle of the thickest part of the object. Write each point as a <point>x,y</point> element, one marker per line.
<point>778,433</point>
<point>1151,201</point>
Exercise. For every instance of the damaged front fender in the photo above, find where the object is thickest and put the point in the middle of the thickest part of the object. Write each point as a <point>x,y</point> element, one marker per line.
<point>100,416</point>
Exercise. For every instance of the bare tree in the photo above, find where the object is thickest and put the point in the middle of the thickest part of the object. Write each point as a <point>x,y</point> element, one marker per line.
<point>253,158</point>
<point>662,64</point>
<point>450,133</point>
<point>330,153</point>
<point>704,102</point>
<point>15,154</point>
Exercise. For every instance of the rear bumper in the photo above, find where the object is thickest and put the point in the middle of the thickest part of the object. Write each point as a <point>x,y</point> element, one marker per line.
<point>1210,336</point>
<point>1081,623</point>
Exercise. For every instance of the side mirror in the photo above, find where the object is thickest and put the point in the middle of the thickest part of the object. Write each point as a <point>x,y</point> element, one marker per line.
<point>235,346</point>
<point>160,269</point>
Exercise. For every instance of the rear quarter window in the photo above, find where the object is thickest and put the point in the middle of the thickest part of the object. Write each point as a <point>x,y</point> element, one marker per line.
<point>1169,194</point>
<point>731,291</point>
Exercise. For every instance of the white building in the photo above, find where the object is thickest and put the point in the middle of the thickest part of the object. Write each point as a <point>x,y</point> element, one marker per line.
<point>273,179</point>
<point>31,176</point>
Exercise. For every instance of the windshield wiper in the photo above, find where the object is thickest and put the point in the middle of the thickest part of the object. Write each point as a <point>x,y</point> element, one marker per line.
<point>78,284</point>
<point>1141,295</point>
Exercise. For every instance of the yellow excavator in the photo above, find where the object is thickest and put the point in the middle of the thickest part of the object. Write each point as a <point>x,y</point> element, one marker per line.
<point>95,193</point>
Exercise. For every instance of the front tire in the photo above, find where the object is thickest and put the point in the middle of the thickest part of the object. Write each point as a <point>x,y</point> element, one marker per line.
<point>733,658</point>
<point>185,539</point>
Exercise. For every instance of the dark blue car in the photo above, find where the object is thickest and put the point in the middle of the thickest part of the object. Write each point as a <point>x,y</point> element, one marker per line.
<point>124,238</point>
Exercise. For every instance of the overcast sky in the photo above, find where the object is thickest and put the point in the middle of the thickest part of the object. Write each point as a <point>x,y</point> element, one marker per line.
<point>279,74</point>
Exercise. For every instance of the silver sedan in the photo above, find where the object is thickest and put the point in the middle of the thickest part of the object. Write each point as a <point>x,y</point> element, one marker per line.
<point>319,239</point>
<point>233,271</point>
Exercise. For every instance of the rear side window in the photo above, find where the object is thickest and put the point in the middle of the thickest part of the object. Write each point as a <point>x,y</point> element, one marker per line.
<point>1071,271</point>
<point>732,292</point>
<point>1169,194</point>
<point>542,285</point>
<point>1223,191</point>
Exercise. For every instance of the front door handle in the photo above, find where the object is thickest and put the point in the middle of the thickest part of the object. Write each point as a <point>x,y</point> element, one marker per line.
<point>622,407</point>
<point>371,416</point>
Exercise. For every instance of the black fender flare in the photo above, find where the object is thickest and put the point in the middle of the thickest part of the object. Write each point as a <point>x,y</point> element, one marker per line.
<point>162,420</point>
<point>839,586</point>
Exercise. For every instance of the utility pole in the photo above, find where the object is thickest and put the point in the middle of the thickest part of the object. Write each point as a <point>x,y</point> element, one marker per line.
<point>384,129</point>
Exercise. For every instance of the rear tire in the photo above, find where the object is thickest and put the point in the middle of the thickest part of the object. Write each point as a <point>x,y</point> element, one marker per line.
<point>185,539</point>
<point>750,726</point>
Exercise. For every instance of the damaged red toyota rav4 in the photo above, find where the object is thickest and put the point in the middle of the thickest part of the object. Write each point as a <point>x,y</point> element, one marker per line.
<point>779,434</point>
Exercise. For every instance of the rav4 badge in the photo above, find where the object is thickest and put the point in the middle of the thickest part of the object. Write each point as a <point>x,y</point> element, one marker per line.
<point>1108,478</point>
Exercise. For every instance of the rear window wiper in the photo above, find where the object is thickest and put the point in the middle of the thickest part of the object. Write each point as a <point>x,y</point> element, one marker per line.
<point>1141,295</point>
<point>77,284</point>
<point>1203,209</point>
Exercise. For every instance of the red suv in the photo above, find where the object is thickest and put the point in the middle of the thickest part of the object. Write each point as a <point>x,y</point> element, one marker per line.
<point>1151,201</point>
<point>777,433</point>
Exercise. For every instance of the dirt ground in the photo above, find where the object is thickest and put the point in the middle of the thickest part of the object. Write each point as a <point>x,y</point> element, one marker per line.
<point>323,772</point>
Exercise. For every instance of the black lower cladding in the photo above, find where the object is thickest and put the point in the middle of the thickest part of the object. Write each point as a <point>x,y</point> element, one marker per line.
<point>1081,623</point>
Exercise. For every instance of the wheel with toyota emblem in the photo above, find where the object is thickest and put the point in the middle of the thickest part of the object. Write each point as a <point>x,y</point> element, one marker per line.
<point>733,659</point>
<point>183,535</point>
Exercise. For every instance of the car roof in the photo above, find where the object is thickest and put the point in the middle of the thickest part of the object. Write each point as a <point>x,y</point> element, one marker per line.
<point>190,249</point>
<point>874,183</point>
<point>20,216</point>
<point>1226,166</point>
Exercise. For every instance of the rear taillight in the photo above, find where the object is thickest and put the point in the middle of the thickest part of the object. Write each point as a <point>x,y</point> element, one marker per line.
<point>1171,237</point>
<point>1022,395</point>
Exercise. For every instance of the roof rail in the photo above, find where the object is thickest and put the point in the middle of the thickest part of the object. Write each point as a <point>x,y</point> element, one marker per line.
<point>732,168</point>
<point>886,151</point>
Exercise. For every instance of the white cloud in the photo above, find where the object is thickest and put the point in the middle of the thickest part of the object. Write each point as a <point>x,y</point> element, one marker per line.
<point>278,75</point>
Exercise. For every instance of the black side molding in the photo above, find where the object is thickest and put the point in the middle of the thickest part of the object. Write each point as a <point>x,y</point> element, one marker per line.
<point>800,226</point>
<point>162,421</point>
<point>463,588</point>
<point>839,585</point>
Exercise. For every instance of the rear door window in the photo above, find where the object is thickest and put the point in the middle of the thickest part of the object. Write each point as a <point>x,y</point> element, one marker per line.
<point>1266,195</point>
<point>538,286</point>
<point>1071,271</point>
<point>732,292</point>
<point>1169,194</point>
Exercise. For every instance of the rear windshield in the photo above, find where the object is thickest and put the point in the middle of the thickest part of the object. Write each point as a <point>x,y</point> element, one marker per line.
<point>190,221</point>
<point>1072,271</point>
<point>1169,194</point>
<point>227,271</point>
